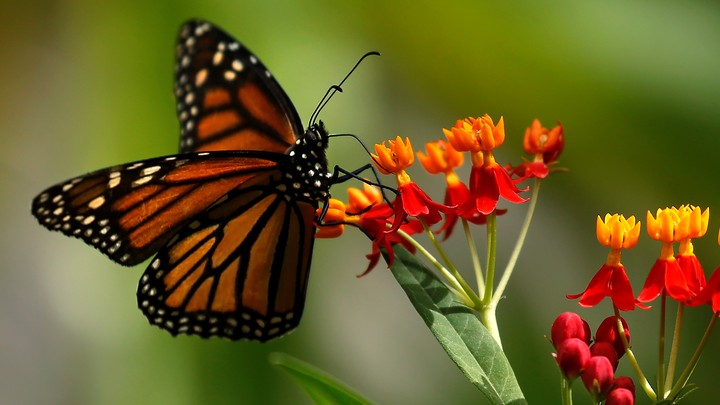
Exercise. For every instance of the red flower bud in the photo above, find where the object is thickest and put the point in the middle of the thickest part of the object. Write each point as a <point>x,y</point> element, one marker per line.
<point>607,332</point>
<point>598,377</point>
<point>620,396</point>
<point>625,382</point>
<point>607,350</point>
<point>569,325</point>
<point>572,354</point>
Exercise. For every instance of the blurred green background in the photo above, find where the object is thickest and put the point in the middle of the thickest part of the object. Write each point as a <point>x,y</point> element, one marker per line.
<point>88,84</point>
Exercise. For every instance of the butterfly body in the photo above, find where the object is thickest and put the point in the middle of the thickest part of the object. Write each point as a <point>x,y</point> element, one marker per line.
<point>230,219</point>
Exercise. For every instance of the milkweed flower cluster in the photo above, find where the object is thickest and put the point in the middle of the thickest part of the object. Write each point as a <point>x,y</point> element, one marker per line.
<point>677,277</point>
<point>478,200</point>
<point>474,201</point>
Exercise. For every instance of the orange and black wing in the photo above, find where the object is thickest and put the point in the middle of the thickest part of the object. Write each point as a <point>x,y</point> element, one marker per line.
<point>226,98</point>
<point>129,212</point>
<point>239,270</point>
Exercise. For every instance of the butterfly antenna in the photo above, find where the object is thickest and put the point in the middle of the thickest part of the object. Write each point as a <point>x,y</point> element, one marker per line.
<point>337,88</point>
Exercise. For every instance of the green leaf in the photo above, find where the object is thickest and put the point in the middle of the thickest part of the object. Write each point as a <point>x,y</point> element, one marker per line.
<point>320,386</point>
<point>458,330</point>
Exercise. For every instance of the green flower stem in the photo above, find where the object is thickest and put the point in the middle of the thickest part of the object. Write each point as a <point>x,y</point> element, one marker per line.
<point>661,346</point>
<point>475,258</point>
<point>448,276</point>
<point>672,361</point>
<point>487,309</point>
<point>491,256</point>
<point>518,244</point>
<point>685,376</point>
<point>468,291</point>
<point>565,391</point>
<point>644,383</point>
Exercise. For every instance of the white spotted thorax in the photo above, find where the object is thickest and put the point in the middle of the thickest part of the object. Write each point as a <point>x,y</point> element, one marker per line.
<point>307,174</point>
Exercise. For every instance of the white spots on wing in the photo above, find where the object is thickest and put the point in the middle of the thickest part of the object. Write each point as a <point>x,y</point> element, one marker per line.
<point>96,202</point>
<point>200,77</point>
<point>88,220</point>
<point>142,180</point>
<point>229,75</point>
<point>203,153</point>
<point>237,65</point>
<point>218,57</point>
<point>189,98</point>
<point>134,166</point>
<point>150,170</point>
<point>253,60</point>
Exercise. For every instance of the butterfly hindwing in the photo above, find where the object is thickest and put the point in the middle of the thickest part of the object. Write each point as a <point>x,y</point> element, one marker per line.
<point>128,212</point>
<point>226,98</point>
<point>239,270</point>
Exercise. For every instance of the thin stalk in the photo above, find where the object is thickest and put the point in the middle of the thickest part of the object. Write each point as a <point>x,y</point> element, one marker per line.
<point>518,244</point>
<point>565,391</point>
<point>474,256</point>
<point>477,303</point>
<point>491,257</point>
<point>685,376</point>
<point>450,278</point>
<point>661,347</point>
<point>644,383</point>
<point>672,361</point>
<point>487,310</point>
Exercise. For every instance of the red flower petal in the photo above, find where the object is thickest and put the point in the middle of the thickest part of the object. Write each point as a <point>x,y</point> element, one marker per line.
<point>609,281</point>
<point>667,276</point>
<point>654,282</point>
<point>693,271</point>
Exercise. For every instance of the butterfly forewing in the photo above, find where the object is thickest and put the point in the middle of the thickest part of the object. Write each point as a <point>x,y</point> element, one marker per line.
<point>129,212</point>
<point>239,270</point>
<point>226,98</point>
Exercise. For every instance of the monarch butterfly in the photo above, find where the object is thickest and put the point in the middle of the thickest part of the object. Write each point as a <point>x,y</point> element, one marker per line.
<point>230,219</point>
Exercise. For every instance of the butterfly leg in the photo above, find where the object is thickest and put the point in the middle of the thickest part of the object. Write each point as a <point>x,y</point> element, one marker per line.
<point>341,175</point>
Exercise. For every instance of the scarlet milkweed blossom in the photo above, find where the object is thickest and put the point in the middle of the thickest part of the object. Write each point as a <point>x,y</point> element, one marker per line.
<point>367,211</point>
<point>442,158</point>
<point>611,280</point>
<point>668,226</point>
<point>545,145</point>
<point>411,200</point>
<point>710,293</point>
<point>488,179</point>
